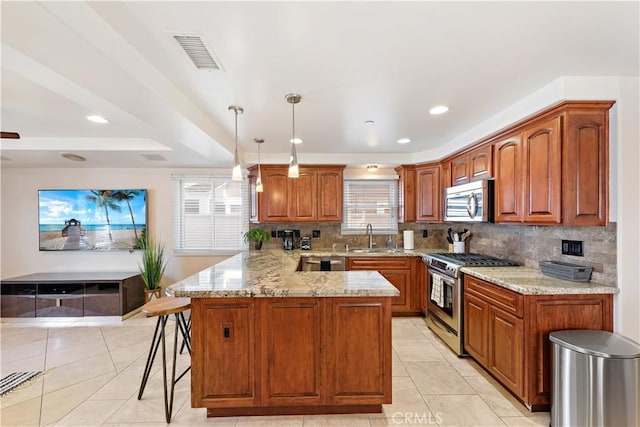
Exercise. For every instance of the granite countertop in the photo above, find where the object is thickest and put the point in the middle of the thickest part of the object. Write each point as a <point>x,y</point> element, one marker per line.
<point>530,281</point>
<point>272,273</point>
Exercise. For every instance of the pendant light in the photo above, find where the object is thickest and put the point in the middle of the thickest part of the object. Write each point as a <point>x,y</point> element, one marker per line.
<point>294,172</point>
<point>259,187</point>
<point>236,174</point>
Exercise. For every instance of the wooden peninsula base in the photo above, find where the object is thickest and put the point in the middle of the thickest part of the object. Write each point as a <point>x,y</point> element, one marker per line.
<point>306,355</point>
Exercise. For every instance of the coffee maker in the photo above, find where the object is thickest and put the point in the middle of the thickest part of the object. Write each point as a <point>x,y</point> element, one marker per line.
<point>288,240</point>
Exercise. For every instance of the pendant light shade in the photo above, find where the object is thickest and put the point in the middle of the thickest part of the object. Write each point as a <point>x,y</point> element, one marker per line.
<point>294,170</point>
<point>236,174</point>
<point>259,186</point>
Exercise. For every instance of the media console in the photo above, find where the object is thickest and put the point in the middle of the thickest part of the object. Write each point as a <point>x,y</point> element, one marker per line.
<point>71,294</point>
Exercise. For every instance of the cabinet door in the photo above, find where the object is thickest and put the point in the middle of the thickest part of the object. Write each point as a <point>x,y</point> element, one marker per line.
<point>428,193</point>
<point>508,185</point>
<point>401,279</point>
<point>291,351</point>
<point>275,202</point>
<point>223,353</point>
<point>406,194</point>
<point>541,156</point>
<point>506,357</point>
<point>304,196</point>
<point>585,168</point>
<point>481,163</point>
<point>330,189</point>
<point>460,170</point>
<point>18,299</point>
<point>476,328</point>
<point>359,351</point>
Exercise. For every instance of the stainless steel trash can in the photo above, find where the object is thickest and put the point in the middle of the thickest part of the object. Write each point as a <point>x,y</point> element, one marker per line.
<point>595,379</point>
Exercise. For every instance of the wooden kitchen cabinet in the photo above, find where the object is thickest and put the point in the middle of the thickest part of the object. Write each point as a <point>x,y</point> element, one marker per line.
<point>291,346</point>
<point>508,333</point>
<point>528,175</point>
<point>403,273</point>
<point>304,197</point>
<point>330,193</point>
<point>472,166</point>
<point>476,327</point>
<point>508,183</point>
<point>553,168</point>
<point>266,356</point>
<point>585,166</point>
<point>223,355</point>
<point>406,193</point>
<point>428,194</point>
<point>315,196</point>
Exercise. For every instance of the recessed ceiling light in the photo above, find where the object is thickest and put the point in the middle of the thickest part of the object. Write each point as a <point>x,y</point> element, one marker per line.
<point>74,157</point>
<point>372,168</point>
<point>296,141</point>
<point>404,140</point>
<point>369,122</point>
<point>97,119</point>
<point>439,109</point>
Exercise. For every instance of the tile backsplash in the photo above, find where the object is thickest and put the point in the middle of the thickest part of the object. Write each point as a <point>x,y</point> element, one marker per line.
<point>525,244</point>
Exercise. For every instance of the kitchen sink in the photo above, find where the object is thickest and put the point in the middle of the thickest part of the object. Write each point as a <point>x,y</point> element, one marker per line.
<point>374,251</point>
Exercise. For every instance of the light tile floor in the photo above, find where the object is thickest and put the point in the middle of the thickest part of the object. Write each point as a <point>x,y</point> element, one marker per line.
<point>93,373</point>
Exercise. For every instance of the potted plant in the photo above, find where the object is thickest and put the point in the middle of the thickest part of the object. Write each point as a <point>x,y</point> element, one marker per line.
<point>152,267</point>
<point>257,236</point>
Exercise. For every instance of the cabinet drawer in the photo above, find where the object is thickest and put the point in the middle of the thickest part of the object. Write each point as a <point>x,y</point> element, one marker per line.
<point>378,263</point>
<point>509,301</point>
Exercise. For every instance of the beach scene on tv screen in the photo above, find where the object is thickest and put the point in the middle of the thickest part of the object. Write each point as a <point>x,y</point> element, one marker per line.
<point>91,219</point>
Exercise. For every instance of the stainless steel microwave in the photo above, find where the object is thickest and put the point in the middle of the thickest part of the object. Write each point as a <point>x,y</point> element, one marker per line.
<point>472,202</point>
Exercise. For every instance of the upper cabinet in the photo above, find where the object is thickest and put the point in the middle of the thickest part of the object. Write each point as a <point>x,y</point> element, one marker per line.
<point>472,166</point>
<point>428,194</point>
<point>585,166</point>
<point>406,193</point>
<point>315,196</point>
<point>553,168</point>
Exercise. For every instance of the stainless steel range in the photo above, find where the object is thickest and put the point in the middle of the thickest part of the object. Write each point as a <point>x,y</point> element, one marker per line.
<point>444,293</point>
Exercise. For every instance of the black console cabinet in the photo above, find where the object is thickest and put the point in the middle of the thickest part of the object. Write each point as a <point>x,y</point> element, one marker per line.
<point>71,294</point>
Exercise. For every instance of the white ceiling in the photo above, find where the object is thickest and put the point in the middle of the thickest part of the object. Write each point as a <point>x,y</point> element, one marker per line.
<point>351,62</point>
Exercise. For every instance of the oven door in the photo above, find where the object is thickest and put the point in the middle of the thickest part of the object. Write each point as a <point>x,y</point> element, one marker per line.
<point>442,297</point>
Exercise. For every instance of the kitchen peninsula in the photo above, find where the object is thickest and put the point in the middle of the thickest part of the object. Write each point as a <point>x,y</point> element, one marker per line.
<point>269,340</point>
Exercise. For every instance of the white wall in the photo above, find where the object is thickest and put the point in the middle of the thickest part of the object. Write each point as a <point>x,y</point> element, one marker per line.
<point>19,217</point>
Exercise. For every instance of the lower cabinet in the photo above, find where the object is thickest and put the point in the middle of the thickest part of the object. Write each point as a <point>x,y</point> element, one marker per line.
<point>290,355</point>
<point>405,273</point>
<point>508,333</point>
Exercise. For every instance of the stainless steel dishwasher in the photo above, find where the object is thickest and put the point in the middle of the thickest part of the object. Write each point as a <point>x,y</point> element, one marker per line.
<point>323,263</point>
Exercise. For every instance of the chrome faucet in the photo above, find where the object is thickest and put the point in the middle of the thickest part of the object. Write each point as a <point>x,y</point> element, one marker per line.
<point>370,234</point>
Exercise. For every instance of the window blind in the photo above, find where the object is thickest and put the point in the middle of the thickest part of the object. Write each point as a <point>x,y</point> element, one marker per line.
<point>372,202</point>
<point>211,214</point>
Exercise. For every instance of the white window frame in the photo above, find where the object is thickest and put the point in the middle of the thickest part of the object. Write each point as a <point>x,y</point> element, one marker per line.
<point>387,204</point>
<point>206,219</point>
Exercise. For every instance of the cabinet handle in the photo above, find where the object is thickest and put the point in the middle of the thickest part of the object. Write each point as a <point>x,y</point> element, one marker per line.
<point>472,205</point>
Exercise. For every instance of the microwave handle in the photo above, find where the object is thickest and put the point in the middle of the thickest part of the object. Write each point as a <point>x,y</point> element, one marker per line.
<point>472,205</point>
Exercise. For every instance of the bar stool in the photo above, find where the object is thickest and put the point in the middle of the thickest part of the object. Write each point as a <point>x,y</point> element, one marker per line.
<point>163,308</point>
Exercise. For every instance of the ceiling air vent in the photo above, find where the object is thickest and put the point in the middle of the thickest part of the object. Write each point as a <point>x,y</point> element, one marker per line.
<point>194,47</point>
<point>154,157</point>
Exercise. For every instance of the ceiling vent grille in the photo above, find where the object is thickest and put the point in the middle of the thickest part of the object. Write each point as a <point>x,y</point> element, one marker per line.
<point>197,51</point>
<point>154,157</point>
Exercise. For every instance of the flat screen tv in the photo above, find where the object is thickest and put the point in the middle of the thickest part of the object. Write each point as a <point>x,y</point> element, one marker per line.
<point>92,220</point>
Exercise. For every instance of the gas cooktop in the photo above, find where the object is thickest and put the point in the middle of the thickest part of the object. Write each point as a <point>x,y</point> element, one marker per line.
<point>451,262</point>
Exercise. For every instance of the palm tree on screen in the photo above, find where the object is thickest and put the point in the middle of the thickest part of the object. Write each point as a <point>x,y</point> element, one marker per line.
<point>125,196</point>
<point>105,199</point>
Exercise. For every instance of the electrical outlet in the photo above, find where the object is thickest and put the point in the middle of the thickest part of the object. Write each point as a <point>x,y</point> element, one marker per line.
<point>425,233</point>
<point>316,233</point>
<point>572,247</point>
